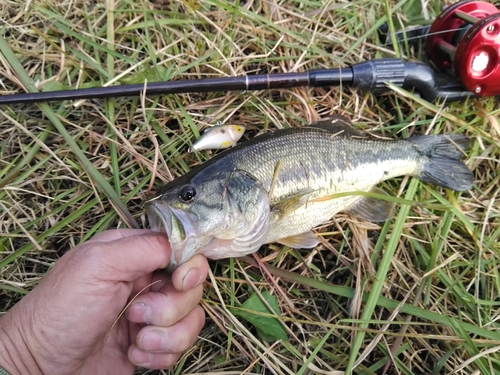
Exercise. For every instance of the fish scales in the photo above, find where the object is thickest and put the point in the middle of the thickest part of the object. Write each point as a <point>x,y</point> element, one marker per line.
<point>278,186</point>
<point>305,158</point>
<point>308,158</point>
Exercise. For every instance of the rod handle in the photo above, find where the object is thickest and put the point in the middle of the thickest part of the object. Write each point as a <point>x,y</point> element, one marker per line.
<point>372,75</point>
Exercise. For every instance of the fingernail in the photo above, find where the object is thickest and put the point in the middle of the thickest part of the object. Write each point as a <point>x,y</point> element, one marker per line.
<point>139,312</point>
<point>140,357</point>
<point>154,341</point>
<point>191,279</point>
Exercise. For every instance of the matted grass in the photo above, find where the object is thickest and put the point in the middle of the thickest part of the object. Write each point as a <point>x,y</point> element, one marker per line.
<point>422,289</point>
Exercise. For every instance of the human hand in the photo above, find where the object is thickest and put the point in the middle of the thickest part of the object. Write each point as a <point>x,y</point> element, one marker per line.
<point>69,323</point>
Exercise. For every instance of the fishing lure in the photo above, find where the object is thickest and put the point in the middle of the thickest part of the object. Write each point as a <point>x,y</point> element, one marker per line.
<point>219,137</point>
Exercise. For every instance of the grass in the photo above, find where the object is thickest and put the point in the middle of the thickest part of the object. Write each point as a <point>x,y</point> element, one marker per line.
<point>416,295</point>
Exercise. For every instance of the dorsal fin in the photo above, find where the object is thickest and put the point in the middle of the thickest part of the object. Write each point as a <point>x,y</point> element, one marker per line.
<point>336,124</point>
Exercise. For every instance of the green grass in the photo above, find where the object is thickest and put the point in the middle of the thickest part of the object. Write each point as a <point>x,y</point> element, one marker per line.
<point>422,288</point>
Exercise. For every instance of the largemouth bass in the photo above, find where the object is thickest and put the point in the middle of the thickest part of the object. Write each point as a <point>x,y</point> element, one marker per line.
<point>278,186</point>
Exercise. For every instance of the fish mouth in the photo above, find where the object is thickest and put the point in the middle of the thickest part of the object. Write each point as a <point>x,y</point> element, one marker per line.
<point>179,228</point>
<point>159,219</point>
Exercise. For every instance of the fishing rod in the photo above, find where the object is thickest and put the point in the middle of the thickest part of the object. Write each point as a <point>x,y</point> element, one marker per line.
<point>462,48</point>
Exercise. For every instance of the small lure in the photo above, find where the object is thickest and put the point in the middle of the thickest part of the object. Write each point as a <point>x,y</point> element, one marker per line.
<point>218,137</point>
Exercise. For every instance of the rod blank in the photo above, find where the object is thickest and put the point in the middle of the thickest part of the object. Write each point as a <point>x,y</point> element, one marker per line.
<point>316,78</point>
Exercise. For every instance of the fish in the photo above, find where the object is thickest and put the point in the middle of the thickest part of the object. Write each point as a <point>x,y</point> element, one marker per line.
<point>219,137</point>
<point>278,186</point>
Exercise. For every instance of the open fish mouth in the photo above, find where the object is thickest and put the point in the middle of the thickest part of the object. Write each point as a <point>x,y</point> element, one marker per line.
<point>176,224</point>
<point>159,219</point>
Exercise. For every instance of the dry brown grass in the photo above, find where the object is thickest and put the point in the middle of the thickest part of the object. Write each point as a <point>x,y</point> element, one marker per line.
<point>446,260</point>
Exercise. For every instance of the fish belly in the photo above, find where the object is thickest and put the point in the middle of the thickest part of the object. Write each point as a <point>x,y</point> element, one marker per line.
<point>308,217</point>
<point>322,205</point>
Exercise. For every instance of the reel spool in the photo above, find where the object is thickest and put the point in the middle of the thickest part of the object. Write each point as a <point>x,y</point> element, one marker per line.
<point>465,38</point>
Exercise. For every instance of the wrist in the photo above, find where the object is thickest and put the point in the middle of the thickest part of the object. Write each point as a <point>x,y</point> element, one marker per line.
<point>15,355</point>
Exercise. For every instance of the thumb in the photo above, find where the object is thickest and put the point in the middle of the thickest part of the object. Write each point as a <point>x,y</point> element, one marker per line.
<point>127,259</point>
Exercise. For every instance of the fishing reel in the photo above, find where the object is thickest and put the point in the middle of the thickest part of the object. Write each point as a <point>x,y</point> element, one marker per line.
<point>464,40</point>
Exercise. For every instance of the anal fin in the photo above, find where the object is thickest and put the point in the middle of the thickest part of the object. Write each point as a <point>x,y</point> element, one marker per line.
<point>306,240</point>
<point>372,209</point>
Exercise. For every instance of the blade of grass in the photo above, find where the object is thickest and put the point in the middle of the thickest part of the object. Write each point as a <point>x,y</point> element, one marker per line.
<point>14,172</point>
<point>383,197</point>
<point>436,248</point>
<point>67,220</point>
<point>384,266</point>
<point>64,27</point>
<point>14,289</point>
<point>426,104</point>
<point>316,350</point>
<point>110,103</point>
<point>473,230</point>
<point>231,305</point>
<point>385,302</point>
<point>474,352</point>
<point>87,165</point>
<point>74,203</point>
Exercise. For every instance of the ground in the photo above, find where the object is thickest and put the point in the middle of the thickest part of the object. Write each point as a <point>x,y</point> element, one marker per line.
<point>423,286</point>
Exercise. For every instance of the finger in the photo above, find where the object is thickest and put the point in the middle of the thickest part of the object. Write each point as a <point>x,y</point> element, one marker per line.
<point>129,258</point>
<point>150,282</point>
<point>116,234</point>
<point>133,330</point>
<point>151,361</point>
<point>141,285</point>
<point>165,307</point>
<point>174,339</point>
<point>159,280</point>
<point>190,274</point>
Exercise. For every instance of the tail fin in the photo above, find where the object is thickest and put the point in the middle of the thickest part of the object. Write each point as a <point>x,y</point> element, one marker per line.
<point>441,163</point>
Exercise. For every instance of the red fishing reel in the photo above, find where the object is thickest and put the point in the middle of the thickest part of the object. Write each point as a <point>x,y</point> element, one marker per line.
<point>465,38</point>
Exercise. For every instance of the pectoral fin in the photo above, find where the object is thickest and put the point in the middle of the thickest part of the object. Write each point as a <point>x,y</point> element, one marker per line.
<point>289,204</point>
<point>372,209</point>
<point>306,240</point>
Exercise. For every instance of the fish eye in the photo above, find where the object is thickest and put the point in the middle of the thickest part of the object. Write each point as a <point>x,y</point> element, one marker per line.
<point>187,193</point>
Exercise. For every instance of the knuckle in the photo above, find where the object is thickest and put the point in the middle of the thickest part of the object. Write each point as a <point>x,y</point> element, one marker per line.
<point>155,241</point>
<point>194,323</point>
<point>201,313</point>
<point>92,251</point>
<point>163,312</point>
<point>169,317</point>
